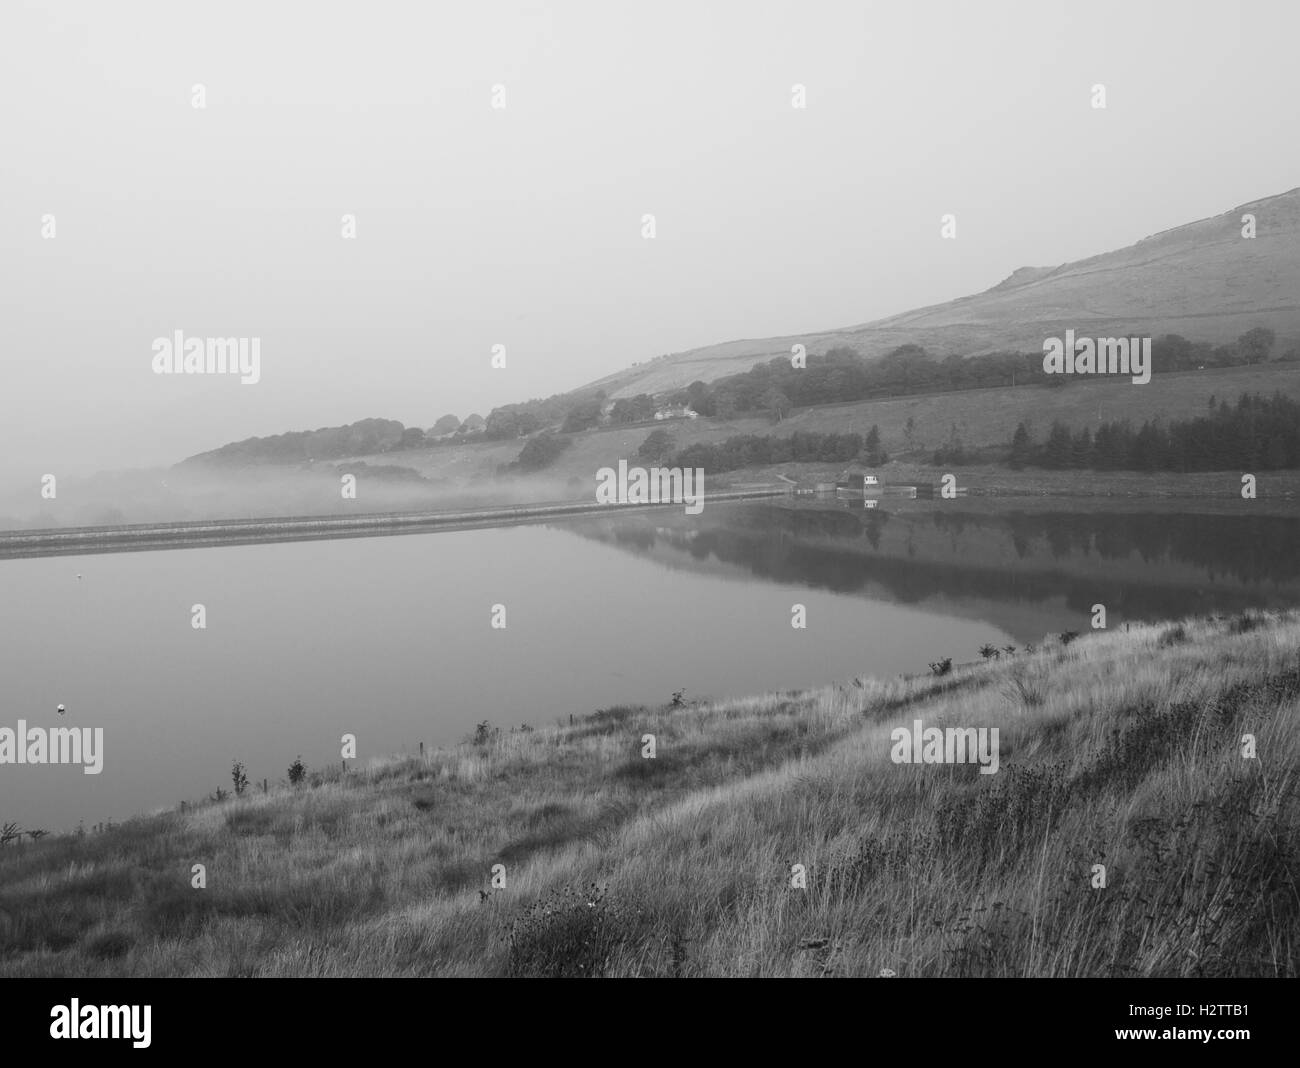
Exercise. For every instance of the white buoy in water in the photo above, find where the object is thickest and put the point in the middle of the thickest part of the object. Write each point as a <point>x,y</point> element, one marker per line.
<point>61,711</point>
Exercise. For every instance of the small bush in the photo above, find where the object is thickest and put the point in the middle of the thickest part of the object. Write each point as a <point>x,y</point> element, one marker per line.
<point>109,946</point>
<point>239,778</point>
<point>571,933</point>
<point>942,667</point>
<point>1174,635</point>
<point>297,770</point>
<point>1246,622</point>
<point>542,451</point>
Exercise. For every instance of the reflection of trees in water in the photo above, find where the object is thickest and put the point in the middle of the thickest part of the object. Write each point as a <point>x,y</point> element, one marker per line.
<point>1244,548</point>
<point>641,537</point>
<point>791,546</point>
<point>915,581</point>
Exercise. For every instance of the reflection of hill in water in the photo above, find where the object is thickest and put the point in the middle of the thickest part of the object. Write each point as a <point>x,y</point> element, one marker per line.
<point>1000,566</point>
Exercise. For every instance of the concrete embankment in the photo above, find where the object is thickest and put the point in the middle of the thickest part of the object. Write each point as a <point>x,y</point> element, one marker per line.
<point>140,537</point>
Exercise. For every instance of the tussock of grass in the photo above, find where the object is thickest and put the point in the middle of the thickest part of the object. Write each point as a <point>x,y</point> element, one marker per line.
<point>1118,749</point>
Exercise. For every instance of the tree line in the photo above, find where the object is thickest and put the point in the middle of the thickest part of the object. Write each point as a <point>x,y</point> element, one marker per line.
<point>1257,433</point>
<point>753,450</point>
<point>841,375</point>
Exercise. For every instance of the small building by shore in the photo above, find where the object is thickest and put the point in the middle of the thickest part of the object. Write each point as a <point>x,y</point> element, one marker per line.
<point>857,483</point>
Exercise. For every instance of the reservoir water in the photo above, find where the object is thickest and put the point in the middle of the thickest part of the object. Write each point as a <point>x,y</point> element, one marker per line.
<point>391,638</point>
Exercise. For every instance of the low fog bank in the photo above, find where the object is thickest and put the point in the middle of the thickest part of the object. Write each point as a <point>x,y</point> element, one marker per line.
<point>193,492</point>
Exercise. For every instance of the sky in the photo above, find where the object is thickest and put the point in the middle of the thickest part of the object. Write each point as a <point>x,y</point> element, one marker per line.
<point>522,225</point>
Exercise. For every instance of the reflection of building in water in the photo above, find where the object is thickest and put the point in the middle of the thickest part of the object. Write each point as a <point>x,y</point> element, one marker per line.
<point>855,487</point>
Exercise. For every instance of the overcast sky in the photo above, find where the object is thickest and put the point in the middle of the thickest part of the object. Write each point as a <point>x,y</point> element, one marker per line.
<point>522,226</point>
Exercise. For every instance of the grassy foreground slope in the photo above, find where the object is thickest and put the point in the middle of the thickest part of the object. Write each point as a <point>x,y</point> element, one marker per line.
<point>1120,749</point>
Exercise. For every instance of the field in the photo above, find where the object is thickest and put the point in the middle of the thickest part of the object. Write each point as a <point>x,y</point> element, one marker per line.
<point>983,418</point>
<point>1125,833</point>
<point>466,475</point>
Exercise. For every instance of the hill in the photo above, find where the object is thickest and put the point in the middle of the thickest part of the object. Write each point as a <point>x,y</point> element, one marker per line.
<point>1202,280</point>
<point>1118,759</point>
<point>984,419</point>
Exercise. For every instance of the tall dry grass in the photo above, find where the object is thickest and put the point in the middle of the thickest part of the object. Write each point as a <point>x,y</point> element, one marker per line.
<point>1120,749</point>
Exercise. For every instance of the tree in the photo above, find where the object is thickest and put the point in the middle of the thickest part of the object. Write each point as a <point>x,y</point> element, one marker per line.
<point>724,405</point>
<point>1022,448</point>
<point>1256,345</point>
<point>582,416</point>
<point>775,400</point>
<point>448,424</point>
<point>871,446</point>
<point>1059,449</point>
<point>657,446</point>
<point>1082,451</point>
<point>542,451</point>
<point>633,409</point>
<point>510,422</point>
<point>1171,352</point>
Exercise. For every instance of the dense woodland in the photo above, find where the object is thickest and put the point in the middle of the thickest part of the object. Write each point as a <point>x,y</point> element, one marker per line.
<point>1256,433</point>
<point>755,450</point>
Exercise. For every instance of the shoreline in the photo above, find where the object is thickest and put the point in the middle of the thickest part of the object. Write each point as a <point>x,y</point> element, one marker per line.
<point>488,855</point>
<point>1279,491</point>
<point>140,537</point>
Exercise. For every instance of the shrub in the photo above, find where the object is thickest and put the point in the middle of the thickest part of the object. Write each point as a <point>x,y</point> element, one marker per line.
<point>239,778</point>
<point>571,933</point>
<point>1020,691</point>
<point>657,446</point>
<point>110,945</point>
<point>297,770</point>
<point>541,451</point>
<point>1246,622</point>
<point>942,667</point>
<point>1174,635</point>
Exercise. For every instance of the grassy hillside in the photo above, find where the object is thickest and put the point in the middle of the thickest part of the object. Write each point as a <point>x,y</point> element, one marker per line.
<point>465,475</point>
<point>1202,280</point>
<point>1120,749</point>
<point>983,418</point>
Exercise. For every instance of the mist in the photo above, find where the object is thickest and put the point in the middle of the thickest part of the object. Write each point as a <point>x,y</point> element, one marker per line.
<point>520,226</point>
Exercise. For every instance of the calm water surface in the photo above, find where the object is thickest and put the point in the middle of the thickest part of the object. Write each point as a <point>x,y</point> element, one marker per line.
<point>389,638</point>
